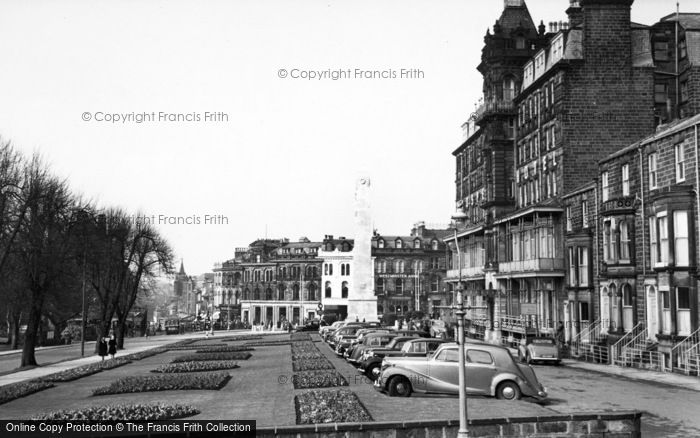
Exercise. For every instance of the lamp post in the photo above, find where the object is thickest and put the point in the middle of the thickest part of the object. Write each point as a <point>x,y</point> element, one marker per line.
<point>460,312</point>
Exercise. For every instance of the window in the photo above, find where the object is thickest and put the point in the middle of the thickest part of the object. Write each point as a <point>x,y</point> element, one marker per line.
<point>680,163</point>
<point>625,180</point>
<point>344,290</point>
<point>268,294</point>
<point>680,235</point>
<point>568,219</point>
<point>399,243</point>
<point>312,292</point>
<point>398,286</point>
<point>347,269</point>
<point>624,241</point>
<point>434,245</point>
<point>652,170</point>
<point>604,186</point>
<point>583,266</point>
<point>653,242</point>
<point>572,267</point>
<point>663,239</point>
<point>399,266</point>
<point>380,243</point>
<point>451,355</point>
<point>330,269</point>
<point>434,283</point>
<point>379,285</point>
<point>416,244</point>
<point>280,292</point>
<point>479,356</point>
<point>584,214</point>
<point>295,292</point>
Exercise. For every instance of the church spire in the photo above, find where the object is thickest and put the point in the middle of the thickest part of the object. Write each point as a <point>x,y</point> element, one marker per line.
<point>182,267</point>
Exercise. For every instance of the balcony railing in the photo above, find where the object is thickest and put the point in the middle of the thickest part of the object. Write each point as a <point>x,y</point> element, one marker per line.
<point>496,106</point>
<point>531,265</point>
<point>472,271</point>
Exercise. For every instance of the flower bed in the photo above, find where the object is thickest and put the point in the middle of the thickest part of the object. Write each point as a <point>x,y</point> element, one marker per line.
<point>85,370</point>
<point>122,412</point>
<point>213,380</point>
<point>317,355</point>
<point>223,348</point>
<point>234,355</point>
<point>336,406</point>
<point>267,343</point>
<point>144,354</point>
<point>304,347</point>
<point>21,389</point>
<point>189,367</point>
<point>312,364</point>
<point>318,379</point>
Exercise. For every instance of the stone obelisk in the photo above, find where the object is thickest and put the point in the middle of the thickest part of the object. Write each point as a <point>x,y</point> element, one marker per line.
<point>362,304</point>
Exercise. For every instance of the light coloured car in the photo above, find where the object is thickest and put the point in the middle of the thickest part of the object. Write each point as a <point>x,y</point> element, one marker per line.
<point>490,370</point>
<point>539,349</point>
<point>438,329</point>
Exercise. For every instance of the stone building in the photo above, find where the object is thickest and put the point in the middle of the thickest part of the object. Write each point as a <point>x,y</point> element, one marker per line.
<point>336,275</point>
<point>409,271</point>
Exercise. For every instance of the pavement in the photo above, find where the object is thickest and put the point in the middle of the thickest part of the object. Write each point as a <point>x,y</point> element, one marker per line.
<point>655,377</point>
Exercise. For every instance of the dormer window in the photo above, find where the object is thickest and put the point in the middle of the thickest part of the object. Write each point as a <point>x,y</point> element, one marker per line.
<point>399,243</point>
<point>519,43</point>
<point>380,243</point>
<point>416,244</point>
<point>434,245</point>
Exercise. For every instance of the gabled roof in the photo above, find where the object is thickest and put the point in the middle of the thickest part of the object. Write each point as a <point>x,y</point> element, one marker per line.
<point>686,19</point>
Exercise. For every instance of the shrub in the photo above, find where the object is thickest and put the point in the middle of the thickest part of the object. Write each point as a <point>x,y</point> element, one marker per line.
<point>189,367</point>
<point>335,406</point>
<point>85,370</point>
<point>21,389</point>
<point>165,382</point>
<point>312,364</point>
<point>122,412</point>
<point>318,379</point>
<point>234,355</point>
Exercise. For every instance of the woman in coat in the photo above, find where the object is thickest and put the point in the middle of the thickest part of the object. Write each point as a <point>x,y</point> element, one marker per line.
<point>102,348</point>
<point>112,346</point>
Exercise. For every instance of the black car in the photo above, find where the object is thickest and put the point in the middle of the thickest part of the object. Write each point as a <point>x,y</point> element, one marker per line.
<point>310,326</point>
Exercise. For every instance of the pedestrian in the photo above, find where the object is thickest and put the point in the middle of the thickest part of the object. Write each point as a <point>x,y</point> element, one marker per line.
<point>112,345</point>
<point>102,348</point>
<point>561,335</point>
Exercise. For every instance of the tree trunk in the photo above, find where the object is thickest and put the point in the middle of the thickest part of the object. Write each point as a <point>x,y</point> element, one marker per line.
<point>14,321</point>
<point>28,357</point>
<point>121,331</point>
<point>144,322</point>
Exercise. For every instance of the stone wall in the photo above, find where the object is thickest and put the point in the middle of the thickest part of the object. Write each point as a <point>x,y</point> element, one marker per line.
<point>609,425</point>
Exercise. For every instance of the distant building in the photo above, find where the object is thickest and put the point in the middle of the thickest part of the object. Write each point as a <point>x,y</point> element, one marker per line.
<point>184,298</point>
<point>336,275</point>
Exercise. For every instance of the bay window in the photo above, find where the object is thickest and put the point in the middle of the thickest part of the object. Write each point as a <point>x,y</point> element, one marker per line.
<point>680,235</point>
<point>583,266</point>
<point>663,239</point>
<point>683,312</point>
<point>653,242</point>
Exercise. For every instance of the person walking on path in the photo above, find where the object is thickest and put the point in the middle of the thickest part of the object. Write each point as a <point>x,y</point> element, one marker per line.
<point>112,346</point>
<point>102,348</point>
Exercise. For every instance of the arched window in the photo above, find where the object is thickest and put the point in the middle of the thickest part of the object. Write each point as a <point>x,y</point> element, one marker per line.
<point>328,289</point>
<point>398,285</point>
<point>379,285</point>
<point>398,266</point>
<point>312,292</point>
<point>399,243</point>
<point>268,294</point>
<point>416,244</point>
<point>342,269</point>
<point>256,295</point>
<point>280,292</point>
<point>508,88</point>
<point>295,292</point>
<point>344,290</point>
<point>246,294</point>
<point>380,243</point>
<point>626,295</point>
<point>284,272</point>
<point>434,245</point>
<point>268,275</point>
<point>346,247</point>
<point>236,278</point>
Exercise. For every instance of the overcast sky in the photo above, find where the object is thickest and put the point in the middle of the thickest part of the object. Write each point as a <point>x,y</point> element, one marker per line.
<point>286,159</point>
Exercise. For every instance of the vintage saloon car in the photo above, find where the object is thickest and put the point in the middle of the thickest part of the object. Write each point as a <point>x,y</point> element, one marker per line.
<point>376,339</point>
<point>539,349</point>
<point>418,347</point>
<point>491,370</point>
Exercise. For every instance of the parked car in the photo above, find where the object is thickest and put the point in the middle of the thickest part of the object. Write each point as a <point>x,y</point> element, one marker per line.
<point>539,349</point>
<point>372,355</point>
<point>328,334</point>
<point>411,347</point>
<point>310,326</point>
<point>343,333</point>
<point>491,370</point>
<point>370,340</point>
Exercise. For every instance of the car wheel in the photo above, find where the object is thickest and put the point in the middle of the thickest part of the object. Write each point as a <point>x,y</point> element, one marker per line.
<point>508,391</point>
<point>373,371</point>
<point>399,386</point>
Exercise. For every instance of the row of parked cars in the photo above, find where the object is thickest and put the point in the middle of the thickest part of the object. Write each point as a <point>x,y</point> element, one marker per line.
<point>401,362</point>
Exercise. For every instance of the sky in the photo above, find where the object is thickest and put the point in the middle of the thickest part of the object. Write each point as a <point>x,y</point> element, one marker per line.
<point>225,118</point>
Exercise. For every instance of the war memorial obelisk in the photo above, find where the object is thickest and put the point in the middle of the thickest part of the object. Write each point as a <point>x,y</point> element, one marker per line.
<point>362,304</point>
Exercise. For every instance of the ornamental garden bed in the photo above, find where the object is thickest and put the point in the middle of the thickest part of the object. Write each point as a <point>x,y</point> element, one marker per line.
<point>313,355</point>
<point>196,366</point>
<point>21,389</point>
<point>85,370</point>
<point>318,379</point>
<point>223,348</point>
<point>233,355</point>
<point>122,412</point>
<point>267,343</point>
<point>300,337</point>
<point>165,382</point>
<point>144,354</point>
<point>312,364</point>
<point>334,406</point>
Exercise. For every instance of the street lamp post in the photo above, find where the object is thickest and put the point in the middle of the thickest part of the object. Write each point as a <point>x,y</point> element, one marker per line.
<point>460,312</point>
